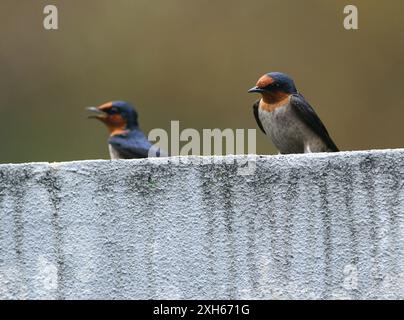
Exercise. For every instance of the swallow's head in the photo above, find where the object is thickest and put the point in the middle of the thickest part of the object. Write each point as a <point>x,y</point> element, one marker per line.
<point>118,116</point>
<point>274,83</point>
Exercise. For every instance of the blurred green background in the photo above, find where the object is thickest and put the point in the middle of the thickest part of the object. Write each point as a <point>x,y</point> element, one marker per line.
<point>193,61</point>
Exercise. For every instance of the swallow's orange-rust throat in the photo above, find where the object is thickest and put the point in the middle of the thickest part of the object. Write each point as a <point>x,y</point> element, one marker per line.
<point>116,124</point>
<point>272,101</point>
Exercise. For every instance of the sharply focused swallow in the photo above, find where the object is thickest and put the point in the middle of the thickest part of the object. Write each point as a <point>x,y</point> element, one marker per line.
<point>126,140</point>
<point>287,118</point>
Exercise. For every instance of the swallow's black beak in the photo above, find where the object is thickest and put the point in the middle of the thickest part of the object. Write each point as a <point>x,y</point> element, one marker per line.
<point>256,90</point>
<point>97,113</point>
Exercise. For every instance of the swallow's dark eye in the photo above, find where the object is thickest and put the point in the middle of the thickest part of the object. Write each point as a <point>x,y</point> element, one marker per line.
<point>113,110</point>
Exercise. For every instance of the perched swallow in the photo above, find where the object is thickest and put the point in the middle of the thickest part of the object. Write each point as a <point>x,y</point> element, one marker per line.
<point>126,140</point>
<point>287,118</point>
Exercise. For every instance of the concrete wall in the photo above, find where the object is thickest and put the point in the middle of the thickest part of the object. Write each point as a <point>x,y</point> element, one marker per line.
<point>317,226</point>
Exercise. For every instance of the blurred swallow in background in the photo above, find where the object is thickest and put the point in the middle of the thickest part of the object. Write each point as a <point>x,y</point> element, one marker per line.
<point>287,118</point>
<point>126,140</point>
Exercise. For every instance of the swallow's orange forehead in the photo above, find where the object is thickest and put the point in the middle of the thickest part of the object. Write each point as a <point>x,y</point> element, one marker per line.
<point>105,106</point>
<point>264,81</point>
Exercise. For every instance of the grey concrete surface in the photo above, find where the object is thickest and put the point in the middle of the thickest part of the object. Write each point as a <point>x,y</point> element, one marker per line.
<point>318,226</point>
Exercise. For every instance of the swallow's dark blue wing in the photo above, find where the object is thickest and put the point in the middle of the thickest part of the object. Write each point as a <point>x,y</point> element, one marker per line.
<point>257,118</point>
<point>309,116</point>
<point>134,145</point>
<point>128,149</point>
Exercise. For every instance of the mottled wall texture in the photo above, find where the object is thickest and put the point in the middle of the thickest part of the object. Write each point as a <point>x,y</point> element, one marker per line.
<point>318,226</point>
